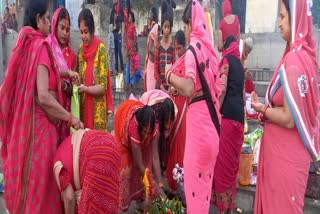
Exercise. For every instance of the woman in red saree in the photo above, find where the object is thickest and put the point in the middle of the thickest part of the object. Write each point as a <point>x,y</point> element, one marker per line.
<point>87,164</point>
<point>229,25</point>
<point>177,137</point>
<point>202,86</point>
<point>135,133</point>
<point>59,41</point>
<point>232,127</point>
<point>29,113</point>
<point>290,116</point>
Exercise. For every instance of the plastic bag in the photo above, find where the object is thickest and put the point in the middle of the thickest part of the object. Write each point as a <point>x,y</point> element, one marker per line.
<point>75,104</point>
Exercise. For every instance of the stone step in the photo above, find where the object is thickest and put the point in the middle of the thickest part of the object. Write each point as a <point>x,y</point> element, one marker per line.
<point>245,201</point>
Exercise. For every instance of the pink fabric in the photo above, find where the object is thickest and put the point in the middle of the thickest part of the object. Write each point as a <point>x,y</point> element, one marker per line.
<point>294,80</point>
<point>227,165</point>
<point>153,97</point>
<point>150,81</point>
<point>45,60</point>
<point>24,127</point>
<point>66,60</point>
<point>202,141</point>
<point>226,8</point>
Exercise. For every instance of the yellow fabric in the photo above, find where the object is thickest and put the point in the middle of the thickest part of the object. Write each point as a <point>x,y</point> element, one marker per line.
<point>210,26</point>
<point>101,69</point>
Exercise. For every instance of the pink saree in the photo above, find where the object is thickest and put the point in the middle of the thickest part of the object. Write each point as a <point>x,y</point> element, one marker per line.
<point>202,140</point>
<point>65,60</point>
<point>285,154</point>
<point>150,81</point>
<point>29,139</point>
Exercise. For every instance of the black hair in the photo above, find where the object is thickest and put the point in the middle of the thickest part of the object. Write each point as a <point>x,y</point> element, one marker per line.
<point>287,5</point>
<point>145,118</point>
<point>64,14</point>
<point>186,17</point>
<point>86,16</point>
<point>180,38</point>
<point>166,18</point>
<point>33,8</point>
<point>164,112</point>
<point>132,16</point>
<point>7,8</point>
<point>228,41</point>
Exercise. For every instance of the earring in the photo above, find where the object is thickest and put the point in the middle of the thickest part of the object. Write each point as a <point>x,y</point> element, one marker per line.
<point>38,26</point>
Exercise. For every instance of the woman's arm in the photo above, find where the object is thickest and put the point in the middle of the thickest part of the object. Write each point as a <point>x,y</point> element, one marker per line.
<point>48,103</point>
<point>278,115</point>
<point>69,200</point>
<point>156,159</point>
<point>99,89</point>
<point>220,41</point>
<point>224,84</point>
<point>137,157</point>
<point>151,49</point>
<point>184,86</point>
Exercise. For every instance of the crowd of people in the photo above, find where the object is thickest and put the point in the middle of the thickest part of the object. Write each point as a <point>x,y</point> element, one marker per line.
<point>192,113</point>
<point>9,20</point>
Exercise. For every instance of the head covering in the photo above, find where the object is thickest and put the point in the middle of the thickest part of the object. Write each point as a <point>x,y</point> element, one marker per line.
<point>155,96</point>
<point>54,44</point>
<point>200,40</point>
<point>297,74</point>
<point>226,8</point>
<point>249,44</point>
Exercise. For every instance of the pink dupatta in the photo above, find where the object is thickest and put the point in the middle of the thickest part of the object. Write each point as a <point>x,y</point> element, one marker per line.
<point>202,43</point>
<point>297,75</point>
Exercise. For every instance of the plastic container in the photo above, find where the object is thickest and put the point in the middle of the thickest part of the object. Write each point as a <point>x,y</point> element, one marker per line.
<point>245,169</point>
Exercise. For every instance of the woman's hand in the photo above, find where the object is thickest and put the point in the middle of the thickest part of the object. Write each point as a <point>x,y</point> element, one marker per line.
<point>74,76</point>
<point>69,199</point>
<point>82,88</point>
<point>173,91</point>
<point>76,123</point>
<point>255,104</point>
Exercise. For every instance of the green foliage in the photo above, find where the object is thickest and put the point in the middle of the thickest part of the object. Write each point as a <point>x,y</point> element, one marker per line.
<point>167,206</point>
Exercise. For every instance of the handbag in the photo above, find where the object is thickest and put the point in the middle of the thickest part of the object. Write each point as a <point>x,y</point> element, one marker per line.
<point>313,183</point>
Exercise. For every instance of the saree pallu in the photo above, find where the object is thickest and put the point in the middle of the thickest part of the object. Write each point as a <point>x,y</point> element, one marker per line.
<point>227,165</point>
<point>201,150</point>
<point>177,140</point>
<point>99,166</point>
<point>150,80</point>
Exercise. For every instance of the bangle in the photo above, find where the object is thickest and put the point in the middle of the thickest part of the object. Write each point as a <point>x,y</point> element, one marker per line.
<point>264,116</point>
<point>65,86</point>
<point>168,74</point>
<point>70,118</point>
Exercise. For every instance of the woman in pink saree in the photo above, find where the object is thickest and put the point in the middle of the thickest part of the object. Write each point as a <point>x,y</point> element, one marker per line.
<point>29,113</point>
<point>290,117</point>
<point>152,44</point>
<point>59,41</point>
<point>201,85</point>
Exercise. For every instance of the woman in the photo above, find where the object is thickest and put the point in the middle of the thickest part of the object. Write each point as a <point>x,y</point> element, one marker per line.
<point>152,44</point>
<point>165,111</point>
<point>165,55</point>
<point>95,90</point>
<point>177,138</point>
<point>290,117</point>
<point>30,111</point>
<point>59,41</point>
<point>87,164</point>
<point>130,42</point>
<point>200,84</point>
<point>232,127</point>
<point>135,133</point>
<point>229,25</point>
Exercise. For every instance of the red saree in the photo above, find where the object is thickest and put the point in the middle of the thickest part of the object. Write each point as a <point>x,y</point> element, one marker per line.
<point>66,60</point>
<point>126,132</point>
<point>96,156</point>
<point>29,140</point>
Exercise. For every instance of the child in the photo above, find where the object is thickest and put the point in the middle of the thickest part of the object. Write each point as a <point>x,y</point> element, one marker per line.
<point>110,47</point>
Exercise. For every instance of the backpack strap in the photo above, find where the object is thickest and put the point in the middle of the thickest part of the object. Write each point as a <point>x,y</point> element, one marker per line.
<point>207,94</point>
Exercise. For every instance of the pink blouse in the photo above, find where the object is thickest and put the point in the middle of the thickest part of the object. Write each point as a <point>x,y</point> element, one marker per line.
<point>45,60</point>
<point>191,71</point>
